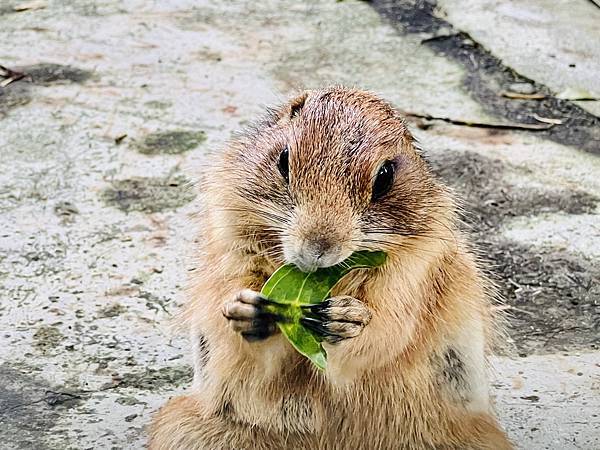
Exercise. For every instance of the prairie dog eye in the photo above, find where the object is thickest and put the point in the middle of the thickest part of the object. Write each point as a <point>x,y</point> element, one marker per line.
<point>284,164</point>
<point>383,181</point>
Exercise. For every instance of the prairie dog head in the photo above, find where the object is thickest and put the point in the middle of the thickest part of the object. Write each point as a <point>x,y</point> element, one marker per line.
<point>331,172</point>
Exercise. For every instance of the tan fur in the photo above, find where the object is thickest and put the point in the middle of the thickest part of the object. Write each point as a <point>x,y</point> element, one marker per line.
<point>415,377</point>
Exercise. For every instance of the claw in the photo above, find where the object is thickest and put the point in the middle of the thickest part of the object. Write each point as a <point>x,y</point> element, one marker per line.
<point>336,319</point>
<point>318,327</point>
<point>317,308</point>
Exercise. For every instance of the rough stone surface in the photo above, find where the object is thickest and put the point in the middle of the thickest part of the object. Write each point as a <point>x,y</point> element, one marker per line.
<point>123,99</point>
<point>561,37</point>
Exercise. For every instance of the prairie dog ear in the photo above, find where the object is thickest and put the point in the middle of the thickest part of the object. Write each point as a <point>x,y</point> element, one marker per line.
<point>293,108</point>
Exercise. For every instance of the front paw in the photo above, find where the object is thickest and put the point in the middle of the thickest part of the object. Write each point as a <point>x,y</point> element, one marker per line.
<point>337,318</point>
<point>247,315</point>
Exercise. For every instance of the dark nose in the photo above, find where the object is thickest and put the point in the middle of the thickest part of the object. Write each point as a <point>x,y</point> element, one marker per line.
<point>320,246</point>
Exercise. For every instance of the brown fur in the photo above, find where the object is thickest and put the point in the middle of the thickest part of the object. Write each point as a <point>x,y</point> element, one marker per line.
<point>415,377</point>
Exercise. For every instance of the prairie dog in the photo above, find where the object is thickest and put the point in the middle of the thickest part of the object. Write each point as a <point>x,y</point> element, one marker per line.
<point>331,172</point>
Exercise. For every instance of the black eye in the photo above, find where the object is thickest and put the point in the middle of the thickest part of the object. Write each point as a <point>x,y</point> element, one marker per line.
<point>384,180</point>
<point>284,164</point>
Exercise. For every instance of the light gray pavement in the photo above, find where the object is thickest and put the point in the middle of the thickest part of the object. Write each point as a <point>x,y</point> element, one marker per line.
<point>95,235</point>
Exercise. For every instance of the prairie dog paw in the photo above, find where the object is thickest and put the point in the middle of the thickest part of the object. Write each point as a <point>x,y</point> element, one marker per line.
<point>246,315</point>
<point>337,318</point>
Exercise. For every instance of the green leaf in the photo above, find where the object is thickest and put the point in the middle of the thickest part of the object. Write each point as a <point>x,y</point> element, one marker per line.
<point>290,289</point>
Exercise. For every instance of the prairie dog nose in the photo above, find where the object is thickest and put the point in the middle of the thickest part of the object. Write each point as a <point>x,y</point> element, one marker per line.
<point>319,246</point>
<point>316,252</point>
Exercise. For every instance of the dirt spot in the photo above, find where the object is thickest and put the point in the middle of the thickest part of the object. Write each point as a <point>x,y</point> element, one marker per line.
<point>19,93</point>
<point>154,302</point>
<point>555,303</point>
<point>47,338</point>
<point>66,211</point>
<point>46,74</point>
<point>129,400</point>
<point>113,310</point>
<point>157,104</point>
<point>486,75</point>
<point>152,379</point>
<point>149,194</point>
<point>13,95</point>
<point>205,54</point>
<point>170,142</point>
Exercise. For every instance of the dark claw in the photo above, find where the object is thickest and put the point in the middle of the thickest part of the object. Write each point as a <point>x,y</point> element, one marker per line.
<point>318,308</point>
<point>319,328</point>
<point>316,325</point>
<point>336,319</point>
<point>320,313</point>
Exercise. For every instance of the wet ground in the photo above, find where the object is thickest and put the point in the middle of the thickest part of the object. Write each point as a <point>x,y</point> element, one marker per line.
<point>107,107</point>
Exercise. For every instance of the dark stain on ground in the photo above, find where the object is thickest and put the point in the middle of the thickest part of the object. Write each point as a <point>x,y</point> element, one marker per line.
<point>28,408</point>
<point>113,310</point>
<point>46,74</point>
<point>8,7</point>
<point>149,194</point>
<point>488,199</point>
<point>170,142</point>
<point>18,93</point>
<point>66,211</point>
<point>153,379</point>
<point>47,338</point>
<point>487,76</point>
<point>13,95</point>
<point>554,295</point>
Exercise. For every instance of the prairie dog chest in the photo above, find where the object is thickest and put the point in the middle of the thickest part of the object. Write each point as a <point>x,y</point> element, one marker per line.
<point>290,402</point>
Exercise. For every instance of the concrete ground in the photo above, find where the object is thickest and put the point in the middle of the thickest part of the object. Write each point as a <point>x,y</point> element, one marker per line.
<point>121,99</point>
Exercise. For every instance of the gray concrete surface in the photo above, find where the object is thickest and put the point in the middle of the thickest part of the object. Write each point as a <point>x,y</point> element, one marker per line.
<point>560,37</point>
<point>100,143</point>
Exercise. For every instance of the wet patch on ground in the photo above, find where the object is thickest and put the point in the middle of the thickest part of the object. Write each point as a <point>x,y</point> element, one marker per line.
<point>46,74</point>
<point>149,194</point>
<point>554,301</point>
<point>170,142</point>
<point>29,408</point>
<point>487,77</point>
